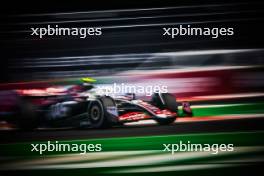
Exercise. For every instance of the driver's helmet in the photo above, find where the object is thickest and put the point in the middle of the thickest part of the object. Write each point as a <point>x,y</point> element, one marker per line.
<point>87,83</point>
<point>84,85</point>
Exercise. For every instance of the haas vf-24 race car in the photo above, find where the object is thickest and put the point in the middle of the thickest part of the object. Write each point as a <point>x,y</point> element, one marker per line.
<point>81,106</point>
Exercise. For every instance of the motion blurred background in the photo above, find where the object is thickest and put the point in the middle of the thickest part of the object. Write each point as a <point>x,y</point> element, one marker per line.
<point>222,78</point>
<point>132,45</point>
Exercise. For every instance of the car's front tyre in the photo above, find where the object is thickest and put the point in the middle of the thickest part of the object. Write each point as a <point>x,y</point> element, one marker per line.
<point>165,101</point>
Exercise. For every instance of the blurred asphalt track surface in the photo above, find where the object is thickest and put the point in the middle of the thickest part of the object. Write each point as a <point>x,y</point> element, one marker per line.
<point>231,125</point>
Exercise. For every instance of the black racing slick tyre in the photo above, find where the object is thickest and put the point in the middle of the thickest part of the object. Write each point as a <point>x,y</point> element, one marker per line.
<point>98,115</point>
<point>165,101</point>
<point>27,116</point>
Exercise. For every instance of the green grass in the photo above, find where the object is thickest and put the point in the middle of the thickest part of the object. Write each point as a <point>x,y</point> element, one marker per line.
<point>252,108</point>
<point>144,143</point>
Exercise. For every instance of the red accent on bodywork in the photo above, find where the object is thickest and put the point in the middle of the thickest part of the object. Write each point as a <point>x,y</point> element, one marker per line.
<point>133,116</point>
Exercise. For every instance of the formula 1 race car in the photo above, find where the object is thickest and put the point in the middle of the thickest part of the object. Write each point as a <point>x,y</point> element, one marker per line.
<point>81,106</point>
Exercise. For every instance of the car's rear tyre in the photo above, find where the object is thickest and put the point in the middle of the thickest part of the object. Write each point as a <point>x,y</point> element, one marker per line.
<point>98,115</point>
<point>27,116</point>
